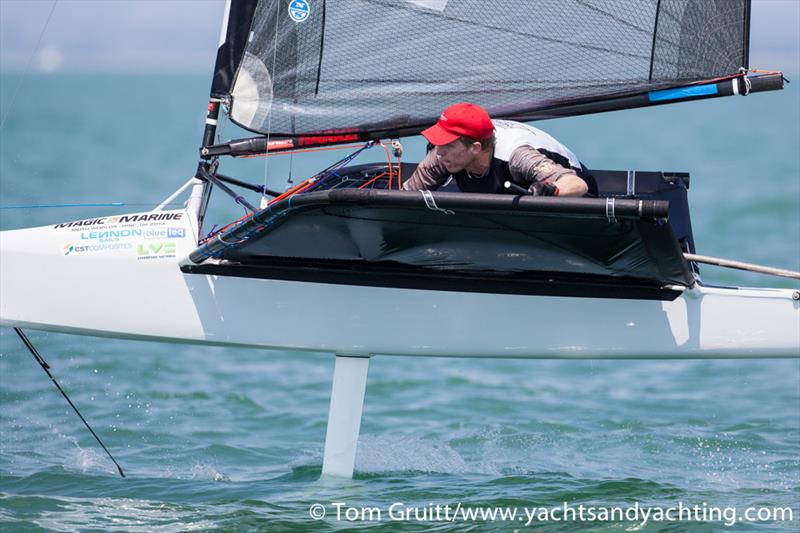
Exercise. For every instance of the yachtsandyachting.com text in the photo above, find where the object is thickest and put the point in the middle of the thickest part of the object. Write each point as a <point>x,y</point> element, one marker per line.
<point>566,512</point>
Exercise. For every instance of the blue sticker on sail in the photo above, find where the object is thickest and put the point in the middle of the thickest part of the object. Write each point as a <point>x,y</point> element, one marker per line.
<point>299,10</point>
<point>682,92</point>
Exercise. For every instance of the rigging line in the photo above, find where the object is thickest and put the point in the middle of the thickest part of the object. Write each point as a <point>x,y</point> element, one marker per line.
<point>746,34</point>
<point>399,173</point>
<point>655,33</point>
<point>222,118</point>
<point>759,71</point>
<point>30,62</point>
<point>291,161</point>
<point>321,49</point>
<point>373,180</point>
<point>321,177</point>
<point>274,62</point>
<point>41,206</point>
<point>739,265</point>
<point>46,368</point>
<point>388,164</point>
<point>108,204</point>
<point>297,189</point>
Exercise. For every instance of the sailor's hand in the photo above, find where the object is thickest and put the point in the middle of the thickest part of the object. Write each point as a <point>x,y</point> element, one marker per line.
<point>544,188</point>
<point>549,188</point>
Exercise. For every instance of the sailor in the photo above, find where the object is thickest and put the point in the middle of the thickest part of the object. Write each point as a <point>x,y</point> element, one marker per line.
<point>482,154</point>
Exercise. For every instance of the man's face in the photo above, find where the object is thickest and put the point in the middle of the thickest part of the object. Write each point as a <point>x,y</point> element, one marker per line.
<point>456,156</point>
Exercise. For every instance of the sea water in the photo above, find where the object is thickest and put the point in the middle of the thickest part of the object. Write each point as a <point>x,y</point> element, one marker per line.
<point>231,439</point>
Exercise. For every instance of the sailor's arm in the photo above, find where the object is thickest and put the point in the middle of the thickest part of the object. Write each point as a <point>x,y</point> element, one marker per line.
<point>536,170</point>
<point>429,175</point>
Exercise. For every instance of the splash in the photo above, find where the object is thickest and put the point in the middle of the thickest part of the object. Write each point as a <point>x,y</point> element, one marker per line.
<point>393,454</point>
<point>203,471</point>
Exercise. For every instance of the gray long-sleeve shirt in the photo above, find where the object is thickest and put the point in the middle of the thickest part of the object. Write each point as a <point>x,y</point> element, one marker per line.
<point>526,167</point>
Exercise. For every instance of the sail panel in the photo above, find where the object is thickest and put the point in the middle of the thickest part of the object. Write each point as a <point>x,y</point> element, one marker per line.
<point>239,17</point>
<point>709,41</point>
<point>313,66</point>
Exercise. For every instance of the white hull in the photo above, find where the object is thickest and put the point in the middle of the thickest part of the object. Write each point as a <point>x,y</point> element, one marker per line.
<point>134,289</point>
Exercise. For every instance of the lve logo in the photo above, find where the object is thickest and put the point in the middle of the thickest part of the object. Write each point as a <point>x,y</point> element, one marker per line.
<point>155,248</point>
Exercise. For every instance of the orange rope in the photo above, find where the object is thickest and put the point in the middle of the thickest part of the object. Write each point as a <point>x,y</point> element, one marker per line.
<point>399,174</point>
<point>737,75</point>
<point>297,189</point>
<point>294,190</point>
<point>376,178</point>
<point>307,186</point>
<point>764,71</point>
<point>290,191</point>
<point>721,78</point>
<point>388,162</point>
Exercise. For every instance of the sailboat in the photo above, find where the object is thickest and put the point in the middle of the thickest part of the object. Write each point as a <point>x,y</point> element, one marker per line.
<point>380,270</point>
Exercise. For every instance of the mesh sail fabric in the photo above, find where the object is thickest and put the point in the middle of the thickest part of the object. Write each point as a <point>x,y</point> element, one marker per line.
<point>393,65</point>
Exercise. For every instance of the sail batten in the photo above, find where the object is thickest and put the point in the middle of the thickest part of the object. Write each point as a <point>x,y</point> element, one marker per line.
<point>369,66</point>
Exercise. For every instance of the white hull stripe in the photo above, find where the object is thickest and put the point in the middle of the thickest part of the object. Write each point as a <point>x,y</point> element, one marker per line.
<point>199,308</point>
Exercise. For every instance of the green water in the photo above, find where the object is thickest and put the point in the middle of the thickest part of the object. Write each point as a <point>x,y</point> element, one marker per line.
<point>231,439</point>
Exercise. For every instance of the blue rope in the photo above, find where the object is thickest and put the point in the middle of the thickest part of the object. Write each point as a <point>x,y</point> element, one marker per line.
<point>39,206</point>
<point>331,170</point>
<point>324,175</point>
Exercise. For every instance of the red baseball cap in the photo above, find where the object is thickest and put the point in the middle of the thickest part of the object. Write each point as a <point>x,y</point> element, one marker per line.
<point>460,120</point>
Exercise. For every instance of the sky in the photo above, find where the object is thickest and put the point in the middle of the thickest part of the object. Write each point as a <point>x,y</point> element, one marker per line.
<point>111,35</point>
<point>182,35</point>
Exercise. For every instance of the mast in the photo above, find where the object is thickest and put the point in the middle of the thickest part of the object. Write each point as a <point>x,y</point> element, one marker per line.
<point>234,31</point>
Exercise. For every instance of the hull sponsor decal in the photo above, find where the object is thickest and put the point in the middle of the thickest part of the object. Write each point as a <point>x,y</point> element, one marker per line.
<point>120,220</point>
<point>165,233</point>
<point>71,249</point>
<point>156,250</point>
<point>110,235</point>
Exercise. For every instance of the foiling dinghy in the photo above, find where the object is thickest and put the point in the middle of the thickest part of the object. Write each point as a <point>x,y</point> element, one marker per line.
<point>348,243</point>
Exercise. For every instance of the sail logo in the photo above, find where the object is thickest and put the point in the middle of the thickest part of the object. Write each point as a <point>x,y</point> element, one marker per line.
<point>326,139</point>
<point>299,10</point>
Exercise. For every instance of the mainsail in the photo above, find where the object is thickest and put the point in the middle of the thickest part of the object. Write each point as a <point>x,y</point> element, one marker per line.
<point>374,68</point>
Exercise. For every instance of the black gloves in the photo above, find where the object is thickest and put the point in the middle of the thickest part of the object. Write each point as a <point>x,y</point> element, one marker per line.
<point>544,188</point>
